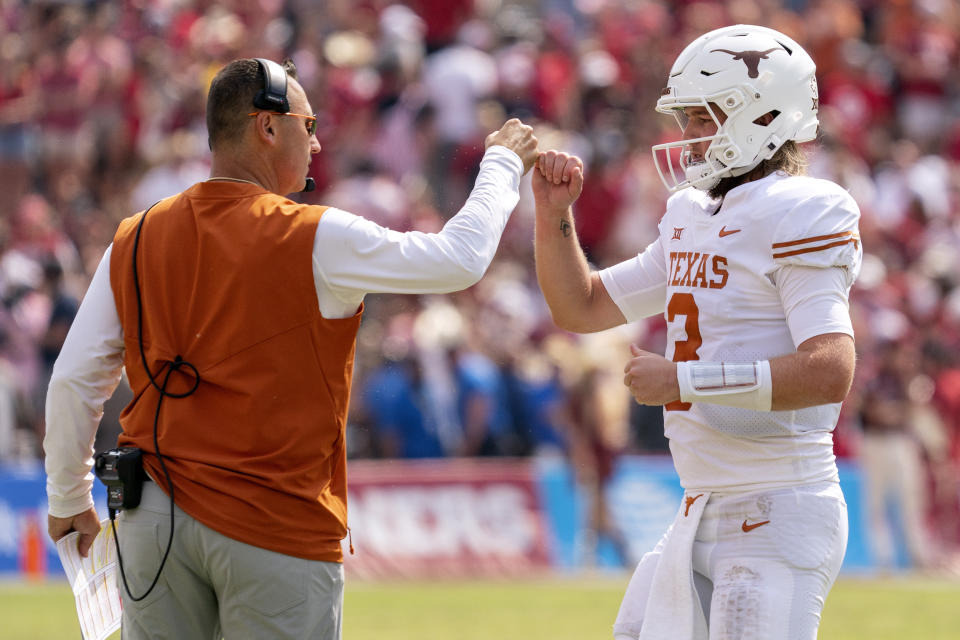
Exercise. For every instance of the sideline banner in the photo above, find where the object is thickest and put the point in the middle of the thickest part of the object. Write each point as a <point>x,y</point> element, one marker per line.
<point>452,517</point>
<point>445,518</point>
<point>642,498</point>
<point>25,547</point>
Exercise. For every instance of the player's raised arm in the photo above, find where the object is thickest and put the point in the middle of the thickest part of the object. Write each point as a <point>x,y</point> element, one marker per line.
<point>577,298</point>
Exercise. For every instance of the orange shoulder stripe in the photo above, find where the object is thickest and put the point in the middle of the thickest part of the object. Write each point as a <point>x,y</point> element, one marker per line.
<point>821,247</point>
<point>780,245</point>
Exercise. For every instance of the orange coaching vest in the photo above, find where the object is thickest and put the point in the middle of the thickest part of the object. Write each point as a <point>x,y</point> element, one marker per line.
<point>258,451</point>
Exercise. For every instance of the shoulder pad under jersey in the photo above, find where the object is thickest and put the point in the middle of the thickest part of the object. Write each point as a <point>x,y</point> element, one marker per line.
<point>820,229</point>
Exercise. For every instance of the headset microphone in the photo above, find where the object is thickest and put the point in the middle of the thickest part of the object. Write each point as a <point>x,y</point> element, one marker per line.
<point>309,185</point>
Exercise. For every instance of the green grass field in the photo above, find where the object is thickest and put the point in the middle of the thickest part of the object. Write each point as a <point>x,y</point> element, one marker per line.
<point>559,609</point>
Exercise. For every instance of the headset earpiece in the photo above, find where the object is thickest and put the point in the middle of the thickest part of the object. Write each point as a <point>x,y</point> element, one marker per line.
<point>273,96</point>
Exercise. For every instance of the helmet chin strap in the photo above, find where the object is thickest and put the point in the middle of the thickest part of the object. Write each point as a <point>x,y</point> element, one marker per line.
<point>706,184</point>
<point>739,171</point>
<point>701,183</point>
<point>772,145</point>
<point>699,174</point>
<point>708,172</point>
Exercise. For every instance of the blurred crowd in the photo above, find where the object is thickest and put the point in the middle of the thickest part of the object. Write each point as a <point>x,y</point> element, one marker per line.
<point>102,114</point>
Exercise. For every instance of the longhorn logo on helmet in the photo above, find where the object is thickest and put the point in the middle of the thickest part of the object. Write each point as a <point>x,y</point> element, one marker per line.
<point>750,58</point>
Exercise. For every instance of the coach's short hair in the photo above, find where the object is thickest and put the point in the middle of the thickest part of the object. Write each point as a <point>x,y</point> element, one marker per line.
<point>231,96</point>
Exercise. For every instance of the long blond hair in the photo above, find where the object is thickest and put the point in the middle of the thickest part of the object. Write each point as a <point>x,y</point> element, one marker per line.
<point>790,158</point>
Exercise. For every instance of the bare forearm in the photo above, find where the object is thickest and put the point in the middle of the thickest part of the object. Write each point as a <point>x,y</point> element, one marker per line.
<point>813,376</point>
<point>577,298</point>
<point>818,373</point>
<point>562,269</point>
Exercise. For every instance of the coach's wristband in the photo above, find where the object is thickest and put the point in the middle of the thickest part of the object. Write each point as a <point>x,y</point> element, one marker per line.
<point>747,385</point>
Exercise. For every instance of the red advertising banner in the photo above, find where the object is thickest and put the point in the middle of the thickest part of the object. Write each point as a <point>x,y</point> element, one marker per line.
<point>444,518</point>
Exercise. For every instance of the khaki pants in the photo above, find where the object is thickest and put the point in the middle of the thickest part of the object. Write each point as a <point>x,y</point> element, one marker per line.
<point>213,586</point>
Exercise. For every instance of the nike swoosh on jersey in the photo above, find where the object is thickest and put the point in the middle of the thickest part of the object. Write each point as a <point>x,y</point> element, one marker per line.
<point>724,233</point>
<point>750,527</point>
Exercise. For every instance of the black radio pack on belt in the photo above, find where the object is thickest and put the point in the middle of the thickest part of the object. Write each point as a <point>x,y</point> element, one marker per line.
<point>121,471</point>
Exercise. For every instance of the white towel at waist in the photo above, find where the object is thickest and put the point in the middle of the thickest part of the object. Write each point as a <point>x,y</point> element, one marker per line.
<point>673,609</point>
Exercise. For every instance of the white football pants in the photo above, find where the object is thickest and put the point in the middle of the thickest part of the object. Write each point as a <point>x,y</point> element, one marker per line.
<point>763,564</point>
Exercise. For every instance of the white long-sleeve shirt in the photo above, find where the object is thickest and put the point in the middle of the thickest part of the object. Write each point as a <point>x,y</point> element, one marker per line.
<point>351,257</point>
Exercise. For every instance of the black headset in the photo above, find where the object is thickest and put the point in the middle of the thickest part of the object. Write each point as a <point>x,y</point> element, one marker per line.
<point>273,97</point>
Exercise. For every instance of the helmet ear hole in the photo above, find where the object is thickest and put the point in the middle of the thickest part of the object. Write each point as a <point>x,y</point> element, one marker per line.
<point>767,118</point>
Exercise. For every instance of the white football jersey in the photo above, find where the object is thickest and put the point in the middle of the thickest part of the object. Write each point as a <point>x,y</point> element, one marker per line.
<point>715,278</point>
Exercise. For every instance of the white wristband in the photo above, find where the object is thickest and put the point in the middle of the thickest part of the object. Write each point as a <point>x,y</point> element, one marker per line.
<point>747,385</point>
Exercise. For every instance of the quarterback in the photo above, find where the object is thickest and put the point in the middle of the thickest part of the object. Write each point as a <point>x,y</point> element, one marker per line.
<point>752,269</point>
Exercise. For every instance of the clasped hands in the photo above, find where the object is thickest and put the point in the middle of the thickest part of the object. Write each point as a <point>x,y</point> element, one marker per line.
<point>557,183</point>
<point>558,180</point>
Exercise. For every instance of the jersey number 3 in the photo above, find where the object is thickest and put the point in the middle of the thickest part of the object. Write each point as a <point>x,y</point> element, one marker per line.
<point>683,304</point>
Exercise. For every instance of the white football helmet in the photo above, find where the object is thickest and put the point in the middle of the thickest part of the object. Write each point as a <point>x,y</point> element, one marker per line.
<point>747,72</point>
